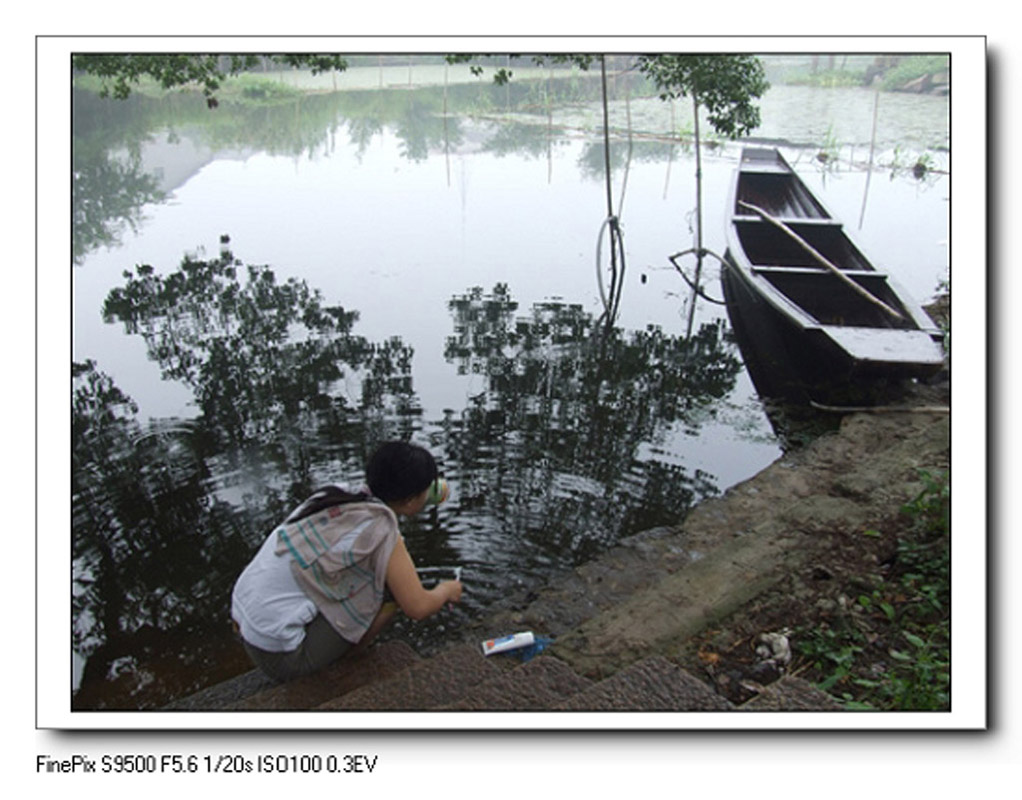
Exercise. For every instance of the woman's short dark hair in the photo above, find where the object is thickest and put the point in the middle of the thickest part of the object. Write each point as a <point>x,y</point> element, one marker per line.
<point>399,470</point>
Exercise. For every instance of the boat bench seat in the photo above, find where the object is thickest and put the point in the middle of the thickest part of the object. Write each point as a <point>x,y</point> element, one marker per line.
<point>798,221</point>
<point>851,273</point>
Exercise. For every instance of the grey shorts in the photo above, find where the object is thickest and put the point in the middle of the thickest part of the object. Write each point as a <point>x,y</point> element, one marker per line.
<point>322,646</point>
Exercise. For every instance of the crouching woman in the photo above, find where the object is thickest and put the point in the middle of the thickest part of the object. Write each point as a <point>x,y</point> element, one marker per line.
<point>316,589</point>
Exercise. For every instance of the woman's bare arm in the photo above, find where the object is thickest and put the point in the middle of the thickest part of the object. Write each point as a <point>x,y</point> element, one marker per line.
<point>414,600</point>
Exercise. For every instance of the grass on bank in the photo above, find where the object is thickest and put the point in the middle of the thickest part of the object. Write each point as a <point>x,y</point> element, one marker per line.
<point>891,649</point>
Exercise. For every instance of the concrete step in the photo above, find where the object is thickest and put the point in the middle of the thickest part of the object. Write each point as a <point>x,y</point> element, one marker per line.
<point>535,685</point>
<point>433,682</point>
<point>653,684</point>
<point>376,664</point>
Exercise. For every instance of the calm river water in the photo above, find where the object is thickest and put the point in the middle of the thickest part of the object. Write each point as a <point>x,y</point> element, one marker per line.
<point>264,292</point>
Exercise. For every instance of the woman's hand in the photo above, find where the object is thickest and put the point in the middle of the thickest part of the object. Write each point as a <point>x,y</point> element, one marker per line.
<point>453,589</point>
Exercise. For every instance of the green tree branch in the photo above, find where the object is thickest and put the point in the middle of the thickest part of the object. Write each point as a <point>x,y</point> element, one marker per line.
<point>121,72</point>
<point>725,85</point>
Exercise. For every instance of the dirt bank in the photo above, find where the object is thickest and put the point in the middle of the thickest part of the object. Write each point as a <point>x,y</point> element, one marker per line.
<point>793,550</point>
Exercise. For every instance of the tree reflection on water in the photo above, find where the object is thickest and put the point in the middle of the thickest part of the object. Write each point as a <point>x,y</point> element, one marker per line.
<point>548,457</point>
<point>554,439</point>
<point>165,514</point>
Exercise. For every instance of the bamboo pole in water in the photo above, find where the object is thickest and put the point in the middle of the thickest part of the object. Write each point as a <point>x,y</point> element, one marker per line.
<point>699,215</point>
<point>611,309</point>
<point>872,148</point>
<point>549,127</point>
<point>670,154</point>
<point>628,156</point>
<point>882,409</point>
<point>447,140</point>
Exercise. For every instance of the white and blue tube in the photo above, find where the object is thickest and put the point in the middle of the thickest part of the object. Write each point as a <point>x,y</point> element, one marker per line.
<point>505,643</point>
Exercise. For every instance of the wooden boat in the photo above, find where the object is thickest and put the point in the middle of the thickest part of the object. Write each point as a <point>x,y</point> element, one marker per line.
<point>807,297</point>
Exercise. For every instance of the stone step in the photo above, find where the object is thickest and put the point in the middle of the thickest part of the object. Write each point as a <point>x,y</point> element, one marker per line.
<point>791,693</point>
<point>652,684</point>
<point>535,685</point>
<point>433,682</point>
<point>376,664</point>
<point>222,695</point>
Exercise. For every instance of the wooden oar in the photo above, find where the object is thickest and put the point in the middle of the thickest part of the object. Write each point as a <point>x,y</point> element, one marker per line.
<point>882,409</point>
<point>820,257</point>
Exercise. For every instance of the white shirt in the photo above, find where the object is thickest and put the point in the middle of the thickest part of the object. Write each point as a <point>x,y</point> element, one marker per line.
<point>268,604</point>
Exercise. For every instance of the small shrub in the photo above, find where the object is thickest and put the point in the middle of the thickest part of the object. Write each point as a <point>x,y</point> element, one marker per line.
<point>913,67</point>
<point>891,649</point>
<point>260,89</point>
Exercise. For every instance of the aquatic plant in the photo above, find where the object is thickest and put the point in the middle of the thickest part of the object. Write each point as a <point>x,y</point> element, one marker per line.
<point>828,152</point>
